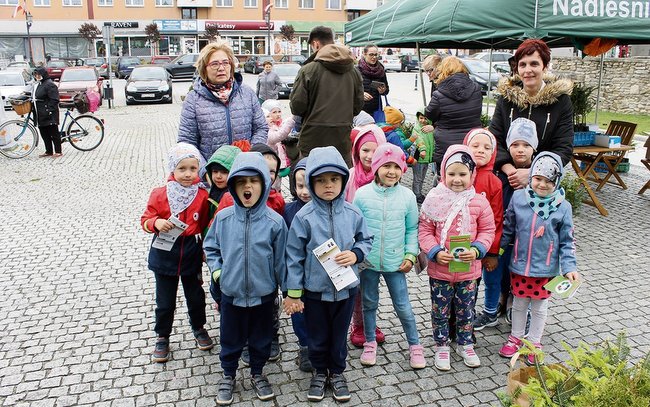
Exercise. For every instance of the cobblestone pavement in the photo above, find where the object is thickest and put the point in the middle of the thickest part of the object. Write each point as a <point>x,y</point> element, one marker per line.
<point>77,299</point>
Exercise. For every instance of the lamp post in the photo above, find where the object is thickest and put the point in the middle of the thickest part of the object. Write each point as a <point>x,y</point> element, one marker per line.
<point>28,21</point>
<point>267,18</point>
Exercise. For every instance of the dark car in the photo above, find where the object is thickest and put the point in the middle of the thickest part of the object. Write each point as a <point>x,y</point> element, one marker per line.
<point>100,64</point>
<point>287,73</point>
<point>182,66</point>
<point>298,59</point>
<point>409,63</point>
<point>255,64</point>
<point>125,65</point>
<point>55,68</point>
<point>479,71</point>
<point>148,83</point>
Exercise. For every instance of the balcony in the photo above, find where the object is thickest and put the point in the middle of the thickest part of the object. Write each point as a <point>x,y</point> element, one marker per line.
<point>366,5</point>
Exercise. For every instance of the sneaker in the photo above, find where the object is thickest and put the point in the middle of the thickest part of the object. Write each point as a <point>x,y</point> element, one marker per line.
<point>416,357</point>
<point>501,309</point>
<point>530,358</point>
<point>379,335</point>
<point>304,364</point>
<point>441,360</point>
<point>203,340</point>
<point>262,387</point>
<point>161,351</point>
<point>340,389</point>
<point>317,387</point>
<point>357,337</point>
<point>369,355</point>
<point>225,388</point>
<point>470,358</point>
<point>485,320</point>
<point>511,347</point>
<point>509,316</point>
<point>245,356</point>
<point>275,349</point>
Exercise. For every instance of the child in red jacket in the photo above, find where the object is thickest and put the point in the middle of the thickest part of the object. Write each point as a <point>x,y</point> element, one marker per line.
<point>181,202</point>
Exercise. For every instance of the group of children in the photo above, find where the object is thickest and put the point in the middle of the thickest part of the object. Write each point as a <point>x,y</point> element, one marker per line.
<point>354,225</point>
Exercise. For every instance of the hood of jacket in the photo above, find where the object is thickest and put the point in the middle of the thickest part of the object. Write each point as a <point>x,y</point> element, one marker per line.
<point>336,58</point>
<point>302,165</point>
<point>244,164</point>
<point>224,156</point>
<point>458,87</point>
<point>557,159</point>
<point>453,149</point>
<point>490,165</point>
<point>512,90</point>
<point>326,157</point>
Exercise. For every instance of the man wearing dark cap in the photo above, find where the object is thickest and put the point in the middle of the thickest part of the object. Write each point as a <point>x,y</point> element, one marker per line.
<point>327,94</point>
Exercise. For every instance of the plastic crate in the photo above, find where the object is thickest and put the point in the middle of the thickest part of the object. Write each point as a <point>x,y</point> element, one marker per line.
<point>584,138</point>
<point>624,166</point>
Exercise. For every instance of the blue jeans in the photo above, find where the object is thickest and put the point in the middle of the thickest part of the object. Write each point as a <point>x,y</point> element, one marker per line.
<point>396,283</point>
<point>492,282</point>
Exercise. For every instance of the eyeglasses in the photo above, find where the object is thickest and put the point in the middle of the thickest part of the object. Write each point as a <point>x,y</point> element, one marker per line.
<point>218,64</point>
<point>372,55</point>
<point>429,70</point>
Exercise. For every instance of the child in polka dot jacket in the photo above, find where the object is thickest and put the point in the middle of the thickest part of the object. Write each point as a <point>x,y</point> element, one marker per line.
<point>539,221</point>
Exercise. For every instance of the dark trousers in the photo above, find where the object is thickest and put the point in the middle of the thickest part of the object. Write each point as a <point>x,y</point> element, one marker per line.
<point>327,326</point>
<point>241,325</point>
<point>463,295</point>
<point>166,288</point>
<point>300,328</point>
<point>50,135</point>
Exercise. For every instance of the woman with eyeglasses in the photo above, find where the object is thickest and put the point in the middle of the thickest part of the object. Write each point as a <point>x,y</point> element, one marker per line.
<point>430,66</point>
<point>375,83</point>
<point>220,109</point>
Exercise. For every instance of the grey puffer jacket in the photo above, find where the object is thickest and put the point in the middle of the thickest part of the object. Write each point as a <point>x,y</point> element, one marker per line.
<point>208,124</point>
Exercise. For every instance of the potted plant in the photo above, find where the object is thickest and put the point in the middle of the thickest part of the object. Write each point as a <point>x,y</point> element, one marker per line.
<point>583,103</point>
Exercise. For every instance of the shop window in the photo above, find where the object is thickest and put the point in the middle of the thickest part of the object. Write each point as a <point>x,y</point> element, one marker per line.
<point>134,3</point>
<point>164,3</point>
<point>105,3</point>
<point>71,3</point>
<point>42,3</point>
<point>281,3</point>
<point>306,3</point>
<point>333,4</point>
<point>246,46</point>
<point>224,3</point>
<point>250,3</point>
<point>260,45</point>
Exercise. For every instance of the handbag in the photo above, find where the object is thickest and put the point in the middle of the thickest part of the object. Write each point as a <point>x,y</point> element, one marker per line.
<point>379,115</point>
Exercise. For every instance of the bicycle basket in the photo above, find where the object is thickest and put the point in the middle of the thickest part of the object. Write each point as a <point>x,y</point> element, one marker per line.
<point>81,103</point>
<point>21,106</point>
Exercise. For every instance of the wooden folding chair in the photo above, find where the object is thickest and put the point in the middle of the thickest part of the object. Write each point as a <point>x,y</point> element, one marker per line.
<point>646,162</point>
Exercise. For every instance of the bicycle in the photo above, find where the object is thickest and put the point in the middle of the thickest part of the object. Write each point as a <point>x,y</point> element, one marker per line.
<point>84,132</point>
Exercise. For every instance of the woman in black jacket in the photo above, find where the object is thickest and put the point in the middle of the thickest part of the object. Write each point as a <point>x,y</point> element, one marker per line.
<point>372,71</point>
<point>46,96</point>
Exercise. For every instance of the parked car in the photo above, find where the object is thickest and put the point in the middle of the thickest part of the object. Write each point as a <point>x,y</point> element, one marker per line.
<point>160,59</point>
<point>182,66</point>
<point>298,59</point>
<point>125,65</point>
<point>55,68</point>
<point>391,63</point>
<point>19,66</point>
<point>479,71</point>
<point>287,73</point>
<point>77,79</point>
<point>255,64</point>
<point>100,64</point>
<point>148,83</point>
<point>11,83</point>
<point>409,63</point>
<point>499,59</point>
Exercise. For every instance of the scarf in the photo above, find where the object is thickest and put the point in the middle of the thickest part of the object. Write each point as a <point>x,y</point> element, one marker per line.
<point>222,92</point>
<point>544,206</point>
<point>178,196</point>
<point>375,71</point>
<point>444,205</point>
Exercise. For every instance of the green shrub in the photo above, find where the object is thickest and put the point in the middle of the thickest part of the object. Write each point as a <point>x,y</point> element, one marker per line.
<point>574,191</point>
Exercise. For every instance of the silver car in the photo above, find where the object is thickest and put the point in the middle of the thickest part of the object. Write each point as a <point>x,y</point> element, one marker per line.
<point>11,83</point>
<point>287,73</point>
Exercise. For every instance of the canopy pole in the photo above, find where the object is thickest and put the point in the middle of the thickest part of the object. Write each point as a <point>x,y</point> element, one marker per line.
<point>600,81</point>
<point>424,100</point>
<point>489,84</point>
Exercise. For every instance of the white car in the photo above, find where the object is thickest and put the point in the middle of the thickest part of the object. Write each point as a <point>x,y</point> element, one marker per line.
<point>499,60</point>
<point>11,83</point>
<point>391,63</point>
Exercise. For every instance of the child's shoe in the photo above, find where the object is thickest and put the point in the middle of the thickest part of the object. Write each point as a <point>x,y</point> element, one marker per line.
<point>511,347</point>
<point>484,320</point>
<point>470,358</point>
<point>245,356</point>
<point>357,337</point>
<point>340,387</point>
<point>304,364</point>
<point>530,358</point>
<point>225,389</point>
<point>317,387</point>
<point>442,358</point>
<point>369,355</point>
<point>379,335</point>
<point>416,357</point>
<point>262,387</point>
<point>161,351</point>
<point>275,349</point>
<point>203,340</point>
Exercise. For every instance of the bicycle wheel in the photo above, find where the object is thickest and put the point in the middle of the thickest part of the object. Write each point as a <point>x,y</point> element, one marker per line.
<point>85,132</point>
<point>21,138</point>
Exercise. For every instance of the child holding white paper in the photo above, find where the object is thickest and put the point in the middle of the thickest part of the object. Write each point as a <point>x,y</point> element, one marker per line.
<point>540,223</point>
<point>394,249</point>
<point>184,199</point>
<point>453,208</point>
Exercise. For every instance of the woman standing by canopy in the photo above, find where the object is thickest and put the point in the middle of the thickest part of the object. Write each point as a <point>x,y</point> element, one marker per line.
<point>372,71</point>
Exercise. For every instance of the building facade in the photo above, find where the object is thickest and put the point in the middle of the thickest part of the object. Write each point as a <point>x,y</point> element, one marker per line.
<point>181,23</point>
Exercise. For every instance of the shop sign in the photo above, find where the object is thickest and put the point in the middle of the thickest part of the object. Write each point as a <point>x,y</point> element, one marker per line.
<point>124,24</point>
<point>176,25</point>
<point>239,25</point>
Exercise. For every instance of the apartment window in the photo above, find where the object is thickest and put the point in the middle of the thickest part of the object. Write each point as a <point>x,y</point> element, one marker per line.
<point>8,2</point>
<point>281,3</point>
<point>188,13</point>
<point>71,3</point>
<point>306,3</point>
<point>164,3</point>
<point>42,3</point>
<point>333,4</point>
<point>250,3</point>
<point>134,3</point>
<point>105,3</point>
<point>224,3</point>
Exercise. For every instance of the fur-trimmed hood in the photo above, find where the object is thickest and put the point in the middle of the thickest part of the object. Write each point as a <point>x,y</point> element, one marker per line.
<point>512,90</point>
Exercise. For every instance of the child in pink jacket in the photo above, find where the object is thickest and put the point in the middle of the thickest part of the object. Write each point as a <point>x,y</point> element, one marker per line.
<point>453,208</point>
<point>278,130</point>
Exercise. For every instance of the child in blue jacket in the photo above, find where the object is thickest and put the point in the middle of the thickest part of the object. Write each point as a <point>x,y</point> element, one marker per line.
<point>539,221</point>
<point>244,250</point>
<point>327,311</point>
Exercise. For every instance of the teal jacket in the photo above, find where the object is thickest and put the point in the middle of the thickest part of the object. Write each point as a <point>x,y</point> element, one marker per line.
<point>392,217</point>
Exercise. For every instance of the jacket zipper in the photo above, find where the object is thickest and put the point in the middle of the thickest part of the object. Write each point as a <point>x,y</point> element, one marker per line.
<point>548,257</point>
<point>530,246</point>
<point>548,120</point>
<point>228,125</point>
<point>246,254</point>
<point>331,219</point>
<point>381,244</point>
<point>515,249</point>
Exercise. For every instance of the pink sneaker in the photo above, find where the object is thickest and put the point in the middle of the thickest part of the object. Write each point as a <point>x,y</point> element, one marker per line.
<point>369,355</point>
<point>417,360</point>
<point>530,358</point>
<point>357,337</point>
<point>511,347</point>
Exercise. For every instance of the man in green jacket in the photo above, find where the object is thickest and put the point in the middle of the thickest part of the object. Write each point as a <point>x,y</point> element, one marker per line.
<point>327,94</point>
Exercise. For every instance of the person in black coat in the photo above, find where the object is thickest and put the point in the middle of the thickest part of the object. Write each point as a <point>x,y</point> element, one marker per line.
<point>372,71</point>
<point>46,96</point>
<point>455,106</point>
